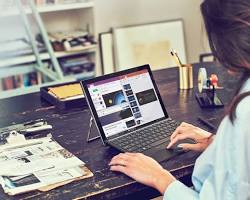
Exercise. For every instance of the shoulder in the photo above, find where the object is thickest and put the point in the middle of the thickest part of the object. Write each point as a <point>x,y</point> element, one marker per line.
<point>241,124</point>
<point>243,109</point>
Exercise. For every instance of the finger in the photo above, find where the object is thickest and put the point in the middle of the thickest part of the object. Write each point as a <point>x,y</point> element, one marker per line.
<point>180,130</point>
<point>186,124</point>
<point>192,147</point>
<point>176,132</point>
<point>117,155</point>
<point>180,137</point>
<point>118,168</point>
<point>120,159</point>
<point>121,155</point>
<point>125,159</point>
<point>171,143</point>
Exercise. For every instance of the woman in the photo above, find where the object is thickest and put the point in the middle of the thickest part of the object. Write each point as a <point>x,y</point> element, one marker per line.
<point>222,170</point>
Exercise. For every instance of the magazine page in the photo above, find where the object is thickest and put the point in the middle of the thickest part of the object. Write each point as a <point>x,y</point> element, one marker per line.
<point>31,167</point>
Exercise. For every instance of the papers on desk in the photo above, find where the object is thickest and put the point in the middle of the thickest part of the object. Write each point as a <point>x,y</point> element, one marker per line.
<point>41,166</point>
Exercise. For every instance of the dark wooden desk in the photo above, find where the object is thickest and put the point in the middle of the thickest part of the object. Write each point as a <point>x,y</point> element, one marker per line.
<point>70,129</point>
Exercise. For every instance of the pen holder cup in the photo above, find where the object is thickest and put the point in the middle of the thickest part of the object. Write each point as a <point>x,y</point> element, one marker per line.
<point>186,77</point>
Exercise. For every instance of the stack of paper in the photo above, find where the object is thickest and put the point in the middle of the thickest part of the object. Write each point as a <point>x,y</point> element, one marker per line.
<point>39,165</point>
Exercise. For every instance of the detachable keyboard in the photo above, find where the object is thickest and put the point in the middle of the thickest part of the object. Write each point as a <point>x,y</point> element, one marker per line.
<point>146,137</point>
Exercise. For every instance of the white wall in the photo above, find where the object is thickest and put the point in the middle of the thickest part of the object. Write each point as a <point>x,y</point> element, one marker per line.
<point>115,13</point>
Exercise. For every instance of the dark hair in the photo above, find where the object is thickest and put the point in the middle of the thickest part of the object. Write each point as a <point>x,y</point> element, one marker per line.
<point>227,24</point>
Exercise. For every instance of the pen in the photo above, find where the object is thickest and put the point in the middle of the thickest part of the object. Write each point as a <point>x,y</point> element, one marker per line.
<point>38,122</point>
<point>176,58</point>
<point>207,123</point>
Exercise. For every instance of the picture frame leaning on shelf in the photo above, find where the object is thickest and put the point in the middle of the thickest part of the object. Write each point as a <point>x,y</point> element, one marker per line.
<point>149,43</point>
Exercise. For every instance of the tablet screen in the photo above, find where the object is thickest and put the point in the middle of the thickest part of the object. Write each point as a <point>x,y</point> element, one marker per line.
<point>125,101</point>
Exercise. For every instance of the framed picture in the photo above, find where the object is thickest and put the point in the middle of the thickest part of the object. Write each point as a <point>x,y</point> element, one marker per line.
<point>149,44</point>
<point>106,52</point>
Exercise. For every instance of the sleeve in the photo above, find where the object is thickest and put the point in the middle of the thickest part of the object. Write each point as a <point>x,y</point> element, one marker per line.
<point>178,190</point>
<point>215,187</point>
<point>228,178</point>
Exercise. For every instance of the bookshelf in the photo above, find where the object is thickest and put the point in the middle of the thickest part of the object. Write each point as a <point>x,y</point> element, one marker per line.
<point>44,56</point>
<point>57,17</point>
<point>64,7</point>
<point>50,8</point>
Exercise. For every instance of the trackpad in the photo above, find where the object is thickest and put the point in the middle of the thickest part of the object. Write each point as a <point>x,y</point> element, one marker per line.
<point>160,153</point>
<point>163,154</point>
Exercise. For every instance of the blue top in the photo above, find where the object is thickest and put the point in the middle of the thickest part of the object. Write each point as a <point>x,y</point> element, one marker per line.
<point>223,169</point>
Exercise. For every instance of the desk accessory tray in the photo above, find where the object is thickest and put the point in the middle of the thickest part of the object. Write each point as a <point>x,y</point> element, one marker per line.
<point>205,101</point>
<point>67,103</point>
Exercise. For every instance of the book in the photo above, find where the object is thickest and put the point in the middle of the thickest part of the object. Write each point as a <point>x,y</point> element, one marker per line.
<point>21,80</point>
<point>1,85</point>
<point>8,83</point>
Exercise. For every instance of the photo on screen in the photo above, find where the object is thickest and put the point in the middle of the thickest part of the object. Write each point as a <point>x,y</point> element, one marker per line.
<point>130,123</point>
<point>146,97</point>
<point>137,115</point>
<point>114,98</point>
<point>129,92</point>
<point>131,98</point>
<point>133,104</point>
<point>127,87</point>
<point>135,109</point>
<point>22,180</point>
<point>115,117</point>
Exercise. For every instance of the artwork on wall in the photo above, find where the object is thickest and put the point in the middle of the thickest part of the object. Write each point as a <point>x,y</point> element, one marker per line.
<point>149,44</point>
<point>106,52</point>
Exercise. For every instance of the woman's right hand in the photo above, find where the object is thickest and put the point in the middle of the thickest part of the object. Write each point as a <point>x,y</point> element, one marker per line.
<point>184,131</point>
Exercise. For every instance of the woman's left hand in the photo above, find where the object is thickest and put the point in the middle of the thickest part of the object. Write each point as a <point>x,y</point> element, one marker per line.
<point>143,169</point>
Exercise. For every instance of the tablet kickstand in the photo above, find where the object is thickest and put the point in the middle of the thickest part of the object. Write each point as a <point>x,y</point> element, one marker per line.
<point>90,130</point>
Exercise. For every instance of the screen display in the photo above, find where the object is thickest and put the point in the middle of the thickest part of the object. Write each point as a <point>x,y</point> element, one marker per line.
<point>125,102</point>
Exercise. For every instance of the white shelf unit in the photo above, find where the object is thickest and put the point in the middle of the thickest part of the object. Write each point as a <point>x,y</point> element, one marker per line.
<point>50,8</point>
<point>44,56</point>
<point>58,17</point>
<point>70,17</point>
<point>64,7</point>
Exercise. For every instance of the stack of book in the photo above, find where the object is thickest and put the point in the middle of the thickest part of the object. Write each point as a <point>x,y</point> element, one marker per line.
<point>76,40</point>
<point>18,47</point>
<point>20,81</point>
<point>76,65</point>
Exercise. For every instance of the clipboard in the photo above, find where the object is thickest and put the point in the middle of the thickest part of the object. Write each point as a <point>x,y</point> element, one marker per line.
<point>53,186</point>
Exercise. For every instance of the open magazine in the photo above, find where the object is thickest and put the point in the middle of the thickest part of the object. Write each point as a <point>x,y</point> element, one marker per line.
<point>38,165</point>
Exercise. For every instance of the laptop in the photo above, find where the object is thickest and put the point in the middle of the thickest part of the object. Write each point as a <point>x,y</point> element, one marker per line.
<point>129,112</point>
